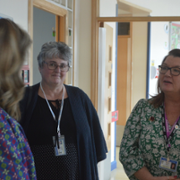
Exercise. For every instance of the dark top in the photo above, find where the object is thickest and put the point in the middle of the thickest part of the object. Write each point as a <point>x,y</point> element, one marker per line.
<point>42,127</point>
<point>91,146</point>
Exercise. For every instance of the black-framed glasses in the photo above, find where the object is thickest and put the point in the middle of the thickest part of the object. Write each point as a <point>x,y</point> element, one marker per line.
<point>54,65</point>
<point>175,71</point>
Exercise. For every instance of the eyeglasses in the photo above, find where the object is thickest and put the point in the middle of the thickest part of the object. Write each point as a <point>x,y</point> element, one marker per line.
<point>53,66</point>
<point>175,71</point>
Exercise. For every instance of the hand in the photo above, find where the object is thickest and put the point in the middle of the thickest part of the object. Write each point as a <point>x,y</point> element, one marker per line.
<point>166,178</point>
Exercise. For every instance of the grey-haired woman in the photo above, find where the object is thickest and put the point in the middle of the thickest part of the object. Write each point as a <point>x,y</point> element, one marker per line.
<point>60,121</point>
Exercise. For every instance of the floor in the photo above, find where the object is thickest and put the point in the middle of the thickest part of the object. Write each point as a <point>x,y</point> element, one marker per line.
<point>118,173</point>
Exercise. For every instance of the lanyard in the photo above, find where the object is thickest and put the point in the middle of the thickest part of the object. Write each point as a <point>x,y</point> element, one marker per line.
<point>168,135</point>
<point>167,126</point>
<point>60,113</point>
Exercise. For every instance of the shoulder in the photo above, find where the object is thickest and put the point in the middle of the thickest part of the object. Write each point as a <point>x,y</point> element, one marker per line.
<point>142,102</point>
<point>142,105</point>
<point>32,88</point>
<point>78,96</point>
<point>14,148</point>
<point>11,129</point>
<point>4,115</point>
<point>73,90</point>
<point>7,122</point>
<point>30,92</point>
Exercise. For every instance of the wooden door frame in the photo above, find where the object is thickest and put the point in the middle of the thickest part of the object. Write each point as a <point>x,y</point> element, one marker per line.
<point>95,23</point>
<point>61,20</point>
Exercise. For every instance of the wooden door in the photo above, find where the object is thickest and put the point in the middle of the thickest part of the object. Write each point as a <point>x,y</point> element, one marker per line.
<point>123,78</point>
<point>61,26</point>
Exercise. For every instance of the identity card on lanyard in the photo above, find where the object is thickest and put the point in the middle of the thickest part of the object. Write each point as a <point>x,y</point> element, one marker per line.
<point>58,140</point>
<point>167,163</point>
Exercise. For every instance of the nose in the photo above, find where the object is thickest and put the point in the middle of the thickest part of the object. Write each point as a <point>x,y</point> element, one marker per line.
<point>168,72</point>
<point>58,69</point>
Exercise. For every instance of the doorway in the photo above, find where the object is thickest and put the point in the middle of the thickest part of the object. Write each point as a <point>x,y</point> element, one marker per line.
<point>50,21</point>
<point>43,31</point>
<point>95,38</point>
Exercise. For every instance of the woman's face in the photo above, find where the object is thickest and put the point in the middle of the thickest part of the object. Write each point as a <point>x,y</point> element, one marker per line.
<point>168,82</point>
<point>53,76</point>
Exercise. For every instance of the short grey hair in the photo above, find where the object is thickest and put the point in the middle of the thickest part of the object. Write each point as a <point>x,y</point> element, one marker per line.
<point>54,49</point>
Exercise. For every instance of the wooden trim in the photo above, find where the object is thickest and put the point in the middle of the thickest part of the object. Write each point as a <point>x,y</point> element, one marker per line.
<point>94,52</point>
<point>57,28</point>
<point>74,2</point>
<point>110,54</point>
<point>129,78</point>
<point>109,79</point>
<point>50,7</point>
<point>131,29</point>
<point>62,32</point>
<point>66,30</point>
<point>30,31</point>
<point>137,19</point>
<point>60,28</point>
<point>101,24</point>
<point>124,36</point>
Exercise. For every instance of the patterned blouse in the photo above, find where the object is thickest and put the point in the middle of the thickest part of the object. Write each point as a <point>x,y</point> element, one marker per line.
<point>143,142</point>
<point>16,159</point>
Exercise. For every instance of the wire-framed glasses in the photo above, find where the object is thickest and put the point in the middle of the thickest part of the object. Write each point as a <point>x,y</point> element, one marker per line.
<point>54,65</point>
<point>175,71</point>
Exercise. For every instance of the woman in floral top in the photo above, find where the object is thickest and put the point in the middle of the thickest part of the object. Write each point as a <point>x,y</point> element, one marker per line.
<point>16,159</point>
<point>150,148</point>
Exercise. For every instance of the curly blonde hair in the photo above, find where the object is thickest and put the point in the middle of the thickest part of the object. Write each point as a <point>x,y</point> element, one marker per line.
<point>14,43</point>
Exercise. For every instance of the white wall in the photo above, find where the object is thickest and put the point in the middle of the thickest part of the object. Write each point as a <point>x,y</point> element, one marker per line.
<point>160,7</point>
<point>17,10</point>
<point>107,8</point>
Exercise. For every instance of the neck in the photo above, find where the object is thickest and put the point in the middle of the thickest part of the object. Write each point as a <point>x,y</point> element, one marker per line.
<point>173,97</point>
<point>52,92</point>
<point>172,101</point>
<point>172,105</point>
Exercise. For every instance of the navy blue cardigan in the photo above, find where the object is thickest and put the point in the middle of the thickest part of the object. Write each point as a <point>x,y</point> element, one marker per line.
<point>90,140</point>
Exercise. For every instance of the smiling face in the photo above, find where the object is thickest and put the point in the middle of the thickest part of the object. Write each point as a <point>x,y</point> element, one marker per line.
<point>53,77</point>
<point>169,83</point>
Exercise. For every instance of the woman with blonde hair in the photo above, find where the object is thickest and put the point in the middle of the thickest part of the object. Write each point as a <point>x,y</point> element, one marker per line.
<point>16,157</point>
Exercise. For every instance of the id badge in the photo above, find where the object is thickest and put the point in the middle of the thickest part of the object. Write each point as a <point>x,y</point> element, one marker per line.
<point>59,146</point>
<point>170,165</point>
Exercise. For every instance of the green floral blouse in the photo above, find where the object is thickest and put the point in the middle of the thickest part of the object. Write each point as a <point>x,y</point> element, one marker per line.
<point>143,143</point>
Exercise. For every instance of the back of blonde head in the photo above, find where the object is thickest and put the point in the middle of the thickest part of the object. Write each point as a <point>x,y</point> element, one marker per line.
<point>14,43</point>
